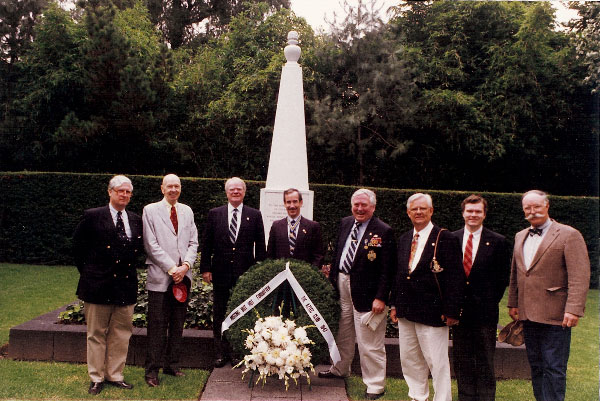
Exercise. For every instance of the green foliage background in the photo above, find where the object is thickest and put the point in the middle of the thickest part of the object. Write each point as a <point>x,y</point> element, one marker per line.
<point>40,211</point>
<point>316,286</point>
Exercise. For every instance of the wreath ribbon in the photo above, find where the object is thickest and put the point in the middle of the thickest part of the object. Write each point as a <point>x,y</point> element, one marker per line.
<point>307,304</point>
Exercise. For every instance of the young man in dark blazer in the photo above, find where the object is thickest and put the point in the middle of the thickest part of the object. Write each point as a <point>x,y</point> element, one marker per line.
<point>486,261</point>
<point>108,248</point>
<point>295,236</point>
<point>426,300</point>
<point>232,241</point>
<point>365,258</point>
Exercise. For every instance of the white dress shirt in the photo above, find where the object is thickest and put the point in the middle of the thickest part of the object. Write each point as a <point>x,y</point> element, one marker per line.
<point>532,243</point>
<point>113,213</point>
<point>421,242</point>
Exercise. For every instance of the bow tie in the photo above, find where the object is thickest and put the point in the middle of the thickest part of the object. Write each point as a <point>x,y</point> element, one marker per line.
<point>534,231</point>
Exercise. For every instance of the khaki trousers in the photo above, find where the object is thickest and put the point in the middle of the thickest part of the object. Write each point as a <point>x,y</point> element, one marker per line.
<point>371,344</point>
<point>108,331</point>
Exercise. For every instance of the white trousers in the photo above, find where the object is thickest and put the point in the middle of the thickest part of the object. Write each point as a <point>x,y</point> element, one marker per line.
<point>424,349</point>
<point>109,329</point>
<point>371,345</point>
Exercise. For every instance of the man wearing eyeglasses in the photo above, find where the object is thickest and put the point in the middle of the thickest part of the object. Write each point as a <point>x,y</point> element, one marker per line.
<point>550,277</point>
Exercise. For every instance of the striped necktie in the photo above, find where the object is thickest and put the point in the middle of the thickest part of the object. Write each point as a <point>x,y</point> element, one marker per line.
<point>468,257</point>
<point>347,265</point>
<point>233,226</point>
<point>292,236</point>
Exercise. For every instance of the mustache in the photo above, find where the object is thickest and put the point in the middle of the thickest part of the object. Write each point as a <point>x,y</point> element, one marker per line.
<point>533,215</point>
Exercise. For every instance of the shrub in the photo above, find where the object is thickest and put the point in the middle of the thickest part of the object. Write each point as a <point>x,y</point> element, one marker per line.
<point>316,286</point>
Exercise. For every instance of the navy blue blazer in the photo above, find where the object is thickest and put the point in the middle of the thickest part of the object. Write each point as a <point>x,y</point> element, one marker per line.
<point>309,243</point>
<point>487,280</point>
<point>107,267</point>
<point>416,295</point>
<point>374,262</point>
<point>227,261</point>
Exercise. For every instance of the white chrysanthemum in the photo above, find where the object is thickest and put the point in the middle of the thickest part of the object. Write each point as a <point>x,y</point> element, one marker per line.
<point>300,335</point>
<point>266,334</point>
<point>270,359</point>
<point>262,347</point>
<point>290,324</point>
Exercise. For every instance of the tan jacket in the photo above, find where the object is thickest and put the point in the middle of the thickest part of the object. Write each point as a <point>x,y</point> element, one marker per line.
<point>558,279</point>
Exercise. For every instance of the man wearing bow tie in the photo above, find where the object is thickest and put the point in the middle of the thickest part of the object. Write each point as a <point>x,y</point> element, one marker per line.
<point>550,277</point>
<point>295,236</point>
<point>363,270</point>
<point>232,241</point>
<point>486,261</point>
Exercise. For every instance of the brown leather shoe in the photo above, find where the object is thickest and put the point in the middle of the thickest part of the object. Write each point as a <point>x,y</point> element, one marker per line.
<point>95,388</point>
<point>152,381</point>
<point>173,372</point>
<point>120,384</point>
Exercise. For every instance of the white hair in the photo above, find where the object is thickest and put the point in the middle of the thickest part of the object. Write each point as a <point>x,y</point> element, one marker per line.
<point>364,191</point>
<point>119,180</point>
<point>419,195</point>
<point>232,180</point>
<point>538,193</point>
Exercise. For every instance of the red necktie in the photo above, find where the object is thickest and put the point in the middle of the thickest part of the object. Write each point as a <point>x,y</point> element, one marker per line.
<point>174,218</point>
<point>468,257</point>
<point>413,250</point>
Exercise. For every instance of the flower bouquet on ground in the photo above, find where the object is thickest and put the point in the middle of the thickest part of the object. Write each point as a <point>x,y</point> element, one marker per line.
<point>278,347</point>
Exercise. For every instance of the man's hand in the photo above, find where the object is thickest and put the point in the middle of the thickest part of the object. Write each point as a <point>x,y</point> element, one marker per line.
<point>393,316</point>
<point>513,313</point>
<point>325,269</point>
<point>570,320</point>
<point>207,277</point>
<point>449,321</point>
<point>378,306</point>
<point>179,273</point>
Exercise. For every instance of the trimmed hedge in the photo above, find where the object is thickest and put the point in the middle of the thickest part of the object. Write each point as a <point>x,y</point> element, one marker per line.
<point>316,286</point>
<point>40,210</point>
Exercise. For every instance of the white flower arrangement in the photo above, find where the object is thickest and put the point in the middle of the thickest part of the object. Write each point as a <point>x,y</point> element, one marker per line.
<point>278,347</point>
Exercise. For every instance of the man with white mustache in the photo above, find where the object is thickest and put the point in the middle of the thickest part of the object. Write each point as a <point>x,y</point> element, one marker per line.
<point>550,277</point>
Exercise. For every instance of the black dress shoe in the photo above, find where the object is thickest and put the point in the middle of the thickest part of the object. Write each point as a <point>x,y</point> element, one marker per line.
<point>95,388</point>
<point>173,372</point>
<point>328,374</point>
<point>221,361</point>
<point>371,396</point>
<point>151,381</point>
<point>120,384</point>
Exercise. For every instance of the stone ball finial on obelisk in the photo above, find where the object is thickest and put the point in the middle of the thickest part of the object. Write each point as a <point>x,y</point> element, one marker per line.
<point>288,164</point>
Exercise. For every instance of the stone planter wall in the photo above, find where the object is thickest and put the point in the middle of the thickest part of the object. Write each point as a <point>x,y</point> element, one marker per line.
<point>42,339</point>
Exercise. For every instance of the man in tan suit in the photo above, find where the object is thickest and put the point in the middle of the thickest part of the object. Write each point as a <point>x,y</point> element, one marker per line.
<point>550,276</point>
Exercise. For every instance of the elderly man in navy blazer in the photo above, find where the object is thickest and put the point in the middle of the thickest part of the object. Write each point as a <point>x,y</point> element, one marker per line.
<point>171,242</point>
<point>486,261</point>
<point>365,258</point>
<point>295,236</point>
<point>232,241</point>
<point>426,300</point>
<point>550,277</point>
<point>108,248</point>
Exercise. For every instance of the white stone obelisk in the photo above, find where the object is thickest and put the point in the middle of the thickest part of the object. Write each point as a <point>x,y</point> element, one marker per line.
<point>288,164</point>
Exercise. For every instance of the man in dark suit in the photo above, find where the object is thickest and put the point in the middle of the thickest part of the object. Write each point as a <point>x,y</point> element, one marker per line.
<point>486,261</point>
<point>232,241</point>
<point>108,248</point>
<point>295,236</point>
<point>365,258</point>
<point>426,300</point>
<point>550,277</point>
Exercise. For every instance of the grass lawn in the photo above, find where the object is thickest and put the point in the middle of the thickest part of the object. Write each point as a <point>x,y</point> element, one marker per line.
<point>28,291</point>
<point>582,373</point>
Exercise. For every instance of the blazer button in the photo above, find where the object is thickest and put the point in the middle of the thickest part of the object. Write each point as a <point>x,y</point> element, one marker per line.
<point>115,275</point>
<point>233,249</point>
<point>126,276</point>
<point>408,277</point>
<point>108,247</point>
<point>468,283</point>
